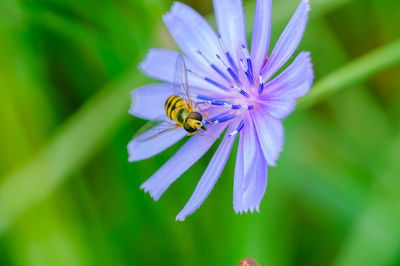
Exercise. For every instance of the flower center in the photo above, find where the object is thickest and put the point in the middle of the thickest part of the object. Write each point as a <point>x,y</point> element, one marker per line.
<point>240,87</point>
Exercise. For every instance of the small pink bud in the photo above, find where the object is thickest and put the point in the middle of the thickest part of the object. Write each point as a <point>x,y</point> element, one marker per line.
<point>248,262</point>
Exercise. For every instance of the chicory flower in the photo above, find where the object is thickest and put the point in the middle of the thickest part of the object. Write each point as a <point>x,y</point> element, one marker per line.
<point>240,90</point>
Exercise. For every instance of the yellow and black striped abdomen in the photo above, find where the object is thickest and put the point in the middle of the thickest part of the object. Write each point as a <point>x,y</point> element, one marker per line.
<point>172,106</point>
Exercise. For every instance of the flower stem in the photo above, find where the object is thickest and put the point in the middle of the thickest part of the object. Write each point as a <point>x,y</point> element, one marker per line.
<point>357,70</point>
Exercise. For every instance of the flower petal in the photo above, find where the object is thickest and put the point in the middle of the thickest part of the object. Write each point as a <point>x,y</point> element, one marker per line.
<point>190,153</point>
<point>231,26</point>
<point>261,34</point>
<point>148,102</point>
<point>270,135</point>
<point>295,81</point>
<point>160,64</point>
<point>140,150</point>
<point>246,154</point>
<point>193,33</point>
<point>279,107</point>
<point>210,176</point>
<point>288,41</point>
<point>250,173</point>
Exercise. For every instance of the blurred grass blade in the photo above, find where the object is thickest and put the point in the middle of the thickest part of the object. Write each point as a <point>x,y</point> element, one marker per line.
<point>356,71</point>
<point>72,146</point>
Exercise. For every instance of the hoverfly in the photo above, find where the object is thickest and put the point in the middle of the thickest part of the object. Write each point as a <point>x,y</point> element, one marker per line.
<point>179,109</point>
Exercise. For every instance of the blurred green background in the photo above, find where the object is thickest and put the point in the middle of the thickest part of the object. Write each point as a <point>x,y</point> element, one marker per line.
<point>68,196</point>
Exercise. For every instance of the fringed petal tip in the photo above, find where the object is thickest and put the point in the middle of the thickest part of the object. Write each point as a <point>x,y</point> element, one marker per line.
<point>158,64</point>
<point>130,158</point>
<point>288,41</point>
<point>152,194</point>
<point>139,150</point>
<point>148,101</point>
<point>187,155</point>
<point>210,176</point>
<point>145,62</point>
<point>133,103</point>
<point>180,218</point>
<point>309,76</point>
<point>308,7</point>
<point>175,8</point>
<point>307,57</point>
<point>250,209</point>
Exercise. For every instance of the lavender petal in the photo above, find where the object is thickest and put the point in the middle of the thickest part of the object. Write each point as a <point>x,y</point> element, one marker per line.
<point>210,176</point>
<point>159,64</point>
<point>250,175</point>
<point>231,26</point>
<point>148,101</point>
<point>279,107</point>
<point>294,82</point>
<point>139,150</point>
<point>192,33</point>
<point>288,41</point>
<point>190,153</point>
<point>261,34</point>
<point>244,176</point>
<point>270,135</point>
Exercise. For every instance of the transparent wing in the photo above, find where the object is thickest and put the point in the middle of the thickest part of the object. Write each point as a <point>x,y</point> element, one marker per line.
<point>153,129</point>
<point>180,83</point>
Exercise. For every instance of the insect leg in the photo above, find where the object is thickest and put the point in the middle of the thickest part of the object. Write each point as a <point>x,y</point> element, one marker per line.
<point>204,135</point>
<point>208,119</point>
<point>197,132</point>
<point>197,106</point>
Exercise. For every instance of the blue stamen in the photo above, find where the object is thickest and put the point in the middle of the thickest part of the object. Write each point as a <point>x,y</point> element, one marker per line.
<point>216,84</point>
<point>248,59</point>
<point>203,102</point>
<point>228,55</point>
<point>222,118</point>
<point>201,97</point>
<point>209,80</point>
<point>247,107</point>
<point>261,86</point>
<point>241,91</point>
<point>238,129</point>
<point>250,78</point>
<point>250,66</point>
<point>219,102</point>
<point>230,71</point>
<point>227,104</point>
<point>220,73</point>
<point>215,102</point>
<point>235,78</point>
<point>213,66</point>
<point>248,74</point>
<point>242,106</point>
<point>230,59</point>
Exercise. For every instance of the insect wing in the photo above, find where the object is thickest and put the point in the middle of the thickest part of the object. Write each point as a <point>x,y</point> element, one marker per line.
<point>181,85</point>
<point>153,129</point>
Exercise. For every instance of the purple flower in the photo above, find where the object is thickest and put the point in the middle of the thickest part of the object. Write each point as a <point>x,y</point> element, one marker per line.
<point>236,87</point>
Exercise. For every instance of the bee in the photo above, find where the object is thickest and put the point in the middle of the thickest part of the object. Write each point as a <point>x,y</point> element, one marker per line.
<point>179,108</point>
